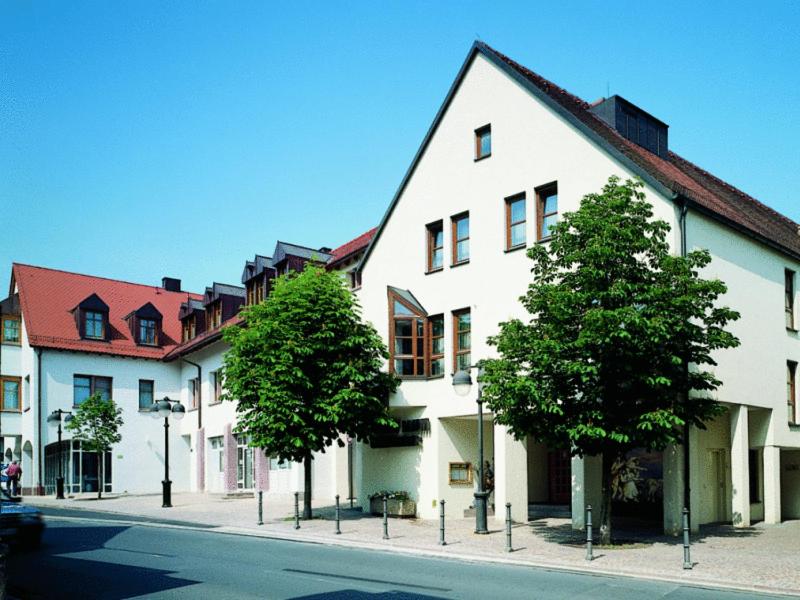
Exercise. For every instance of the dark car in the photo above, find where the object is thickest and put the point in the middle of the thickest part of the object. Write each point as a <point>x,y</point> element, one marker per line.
<point>20,524</point>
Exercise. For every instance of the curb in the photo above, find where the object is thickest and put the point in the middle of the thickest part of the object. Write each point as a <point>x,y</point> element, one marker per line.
<point>431,553</point>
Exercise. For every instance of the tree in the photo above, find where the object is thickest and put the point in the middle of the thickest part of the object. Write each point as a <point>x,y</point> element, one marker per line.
<point>304,369</point>
<point>96,424</point>
<point>615,354</point>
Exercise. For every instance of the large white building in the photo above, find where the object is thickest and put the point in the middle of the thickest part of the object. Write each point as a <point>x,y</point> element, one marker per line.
<point>67,335</point>
<point>507,153</point>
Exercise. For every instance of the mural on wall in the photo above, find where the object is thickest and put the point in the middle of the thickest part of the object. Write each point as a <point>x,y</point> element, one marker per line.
<point>637,484</point>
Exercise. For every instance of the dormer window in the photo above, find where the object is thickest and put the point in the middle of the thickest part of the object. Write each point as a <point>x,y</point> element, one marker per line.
<point>145,325</point>
<point>95,325</point>
<point>214,315</point>
<point>189,328</point>
<point>147,331</point>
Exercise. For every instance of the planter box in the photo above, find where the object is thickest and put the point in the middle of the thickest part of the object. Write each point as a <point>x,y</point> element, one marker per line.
<point>394,507</point>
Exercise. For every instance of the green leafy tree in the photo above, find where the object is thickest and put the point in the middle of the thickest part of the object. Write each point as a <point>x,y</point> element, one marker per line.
<point>304,369</point>
<point>96,424</point>
<point>621,334</point>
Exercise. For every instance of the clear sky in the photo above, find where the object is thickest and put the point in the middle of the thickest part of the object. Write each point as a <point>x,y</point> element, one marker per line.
<point>142,139</point>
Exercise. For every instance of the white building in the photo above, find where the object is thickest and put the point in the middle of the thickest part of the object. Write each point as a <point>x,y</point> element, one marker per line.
<point>508,152</point>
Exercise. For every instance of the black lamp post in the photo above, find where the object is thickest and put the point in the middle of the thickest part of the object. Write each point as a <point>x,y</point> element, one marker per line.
<point>163,408</point>
<point>54,419</point>
<point>462,383</point>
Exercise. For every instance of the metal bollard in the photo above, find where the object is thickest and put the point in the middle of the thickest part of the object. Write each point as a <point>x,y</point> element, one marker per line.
<point>260,507</point>
<point>508,527</point>
<point>588,532</point>
<point>385,518</point>
<point>338,531</point>
<point>297,510</point>
<point>687,561</point>
<point>441,523</point>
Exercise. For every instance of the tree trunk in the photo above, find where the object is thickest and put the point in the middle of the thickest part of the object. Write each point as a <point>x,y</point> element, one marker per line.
<point>608,458</point>
<point>307,487</point>
<point>99,475</point>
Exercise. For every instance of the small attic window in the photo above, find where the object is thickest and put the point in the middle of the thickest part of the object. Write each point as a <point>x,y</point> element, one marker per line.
<point>483,142</point>
<point>148,330</point>
<point>145,325</point>
<point>94,325</point>
<point>91,317</point>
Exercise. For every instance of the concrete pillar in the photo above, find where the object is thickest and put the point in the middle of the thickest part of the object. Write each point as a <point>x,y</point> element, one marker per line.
<point>510,476</point>
<point>229,451</point>
<point>587,475</point>
<point>673,489</point>
<point>740,470</point>
<point>772,484</point>
<point>261,470</point>
<point>200,454</point>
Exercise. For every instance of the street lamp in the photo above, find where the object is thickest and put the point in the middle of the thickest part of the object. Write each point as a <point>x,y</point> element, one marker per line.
<point>462,384</point>
<point>54,419</point>
<point>163,408</point>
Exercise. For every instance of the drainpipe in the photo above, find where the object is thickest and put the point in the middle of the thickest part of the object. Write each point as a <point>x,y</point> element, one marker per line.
<point>39,417</point>
<point>687,499</point>
<point>199,392</point>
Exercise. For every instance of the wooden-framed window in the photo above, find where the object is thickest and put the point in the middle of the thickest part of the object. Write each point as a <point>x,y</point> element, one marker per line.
<point>216,385</point>
<point>194,393</point>
<point>755,480</point>
<point>436,351</point>
<point>435,241</point>
<point>214,315</point>
<point>259,292</point>
<point>460,473</point>
<point>84,386</point>
<point>483,142</point>
<point>148,332</point>
<point>11,388</point>
<point>146,393</point>
<point>94,325</point>
<point>546,210</point>
<point>515,221</point>
<point>462,340</point>
<point>788,290</point>
<point>460,235</point>
<point>251,293</point>
<point>188,329</point>
<point>791,396</point>
<point>11,329</point>
<point>406,338</point>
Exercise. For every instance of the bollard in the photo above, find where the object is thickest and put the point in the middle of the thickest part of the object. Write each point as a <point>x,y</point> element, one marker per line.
<point>338,531</point>
<point>588,532</point>
<point>687,561</point>
<point>441,523</point>
<point>385,518</point>
<point>508,527</point>
<point>260,507</point>
<point>297,510</point>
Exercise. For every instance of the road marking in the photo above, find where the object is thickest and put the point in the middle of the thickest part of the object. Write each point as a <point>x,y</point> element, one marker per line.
<point>368,580</point>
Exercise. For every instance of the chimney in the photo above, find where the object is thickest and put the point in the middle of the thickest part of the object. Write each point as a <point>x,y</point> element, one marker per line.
<point>171,284</point>
<point>638,126</point>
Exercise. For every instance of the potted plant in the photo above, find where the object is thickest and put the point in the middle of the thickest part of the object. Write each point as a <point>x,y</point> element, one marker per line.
<point>398,504</point>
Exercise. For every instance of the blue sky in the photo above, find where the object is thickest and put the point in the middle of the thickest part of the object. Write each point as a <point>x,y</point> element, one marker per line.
<point>144,139</point>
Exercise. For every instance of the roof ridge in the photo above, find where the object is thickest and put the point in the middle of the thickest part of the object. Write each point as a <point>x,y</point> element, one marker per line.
<point>298,246</point>
<point>18,264</point>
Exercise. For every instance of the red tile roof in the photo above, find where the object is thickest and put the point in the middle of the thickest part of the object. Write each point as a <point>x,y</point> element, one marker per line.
<point>204,339</point>
<point>353,246</point>
<point>707,192</point>
<point>48,296</point>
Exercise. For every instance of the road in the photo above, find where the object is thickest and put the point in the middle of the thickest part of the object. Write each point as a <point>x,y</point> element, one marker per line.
<point>101,558</point>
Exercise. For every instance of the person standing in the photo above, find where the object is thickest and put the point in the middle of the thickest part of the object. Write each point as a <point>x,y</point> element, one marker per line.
<point>13,473</point>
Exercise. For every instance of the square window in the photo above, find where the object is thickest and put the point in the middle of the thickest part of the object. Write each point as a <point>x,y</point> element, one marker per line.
<point>95,325</point>
<point>11,328</point>
<point>460,473</point>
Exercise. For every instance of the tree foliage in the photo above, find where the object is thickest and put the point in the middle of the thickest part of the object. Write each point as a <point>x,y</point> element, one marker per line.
<point>305,369</point>
<point>621,330</point>
<point>96,425</point>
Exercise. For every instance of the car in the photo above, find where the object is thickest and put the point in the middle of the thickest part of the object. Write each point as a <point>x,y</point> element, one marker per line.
<point>20,525</point>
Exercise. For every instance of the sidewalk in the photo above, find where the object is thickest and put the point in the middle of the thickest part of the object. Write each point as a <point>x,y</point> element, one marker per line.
<point>758,558</point>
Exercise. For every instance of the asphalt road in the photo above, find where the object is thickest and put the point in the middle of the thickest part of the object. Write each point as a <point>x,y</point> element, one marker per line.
<point>104,559</point>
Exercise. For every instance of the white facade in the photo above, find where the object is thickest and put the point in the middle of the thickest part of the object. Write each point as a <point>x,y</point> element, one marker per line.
<point>533,145</point>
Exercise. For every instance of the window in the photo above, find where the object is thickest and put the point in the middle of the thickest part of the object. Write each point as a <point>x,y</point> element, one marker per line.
<point>95,326</point>
<point>483,142</point>
<point>460,473</point>
<point>10,329</point>
<point>547,209</point>
<point>218,448</point>
<point>216,383</point>
<point>146,394</point>
<point>194,392</point>
<point>147,331</point>
<point>462,340</point>
<point>84,386</point>
<point>460,226</point>
<point>251,293</point>
<point>791,368</point>
<point>435,246</point>
<point>406,338</point>
<point>788,286</point>
<point>214,315</point>
<point>436,325</point>
<point>11,393</point>
<point>755,488</point>
<point>259,292</point>
<point>189,329</point>
<point>275,464</point>
<point>515,221</point>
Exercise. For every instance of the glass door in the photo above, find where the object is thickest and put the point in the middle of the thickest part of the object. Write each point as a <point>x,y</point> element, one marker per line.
<point>244,463</point>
